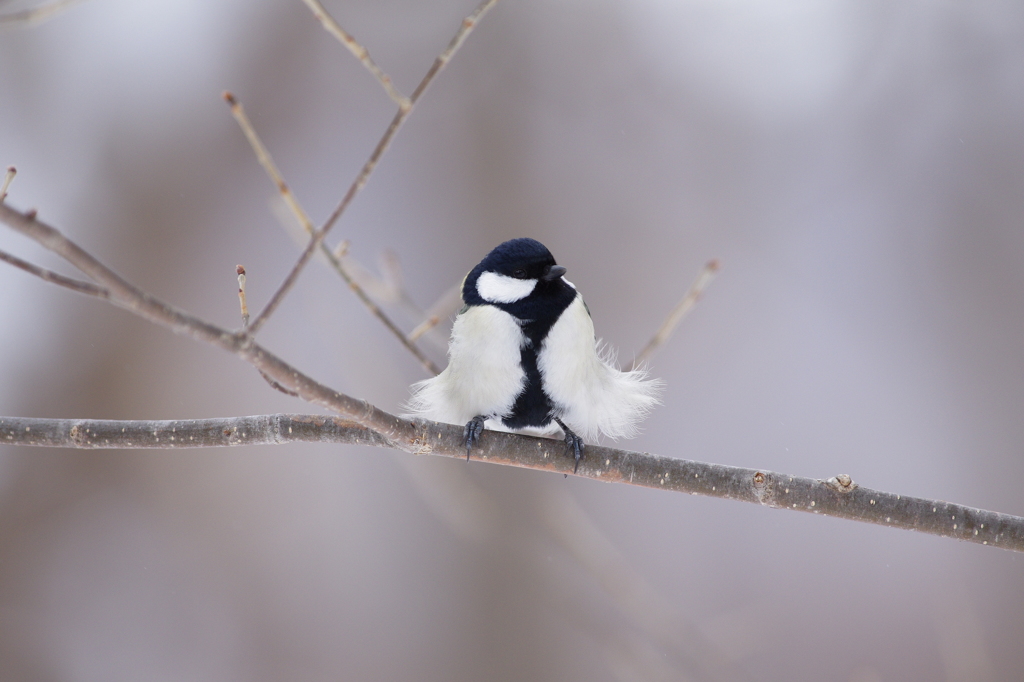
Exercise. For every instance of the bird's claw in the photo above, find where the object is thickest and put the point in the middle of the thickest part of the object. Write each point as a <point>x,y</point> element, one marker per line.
<point>573,445</point>
<point>474,428</point>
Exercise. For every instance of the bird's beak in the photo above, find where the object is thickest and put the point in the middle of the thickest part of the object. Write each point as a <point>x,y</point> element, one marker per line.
<point>553,273</point>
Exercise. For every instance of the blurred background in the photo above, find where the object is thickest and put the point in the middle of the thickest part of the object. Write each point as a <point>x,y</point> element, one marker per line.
<point>857,167</point>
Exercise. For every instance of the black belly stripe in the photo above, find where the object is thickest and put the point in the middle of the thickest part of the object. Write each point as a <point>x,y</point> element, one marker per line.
<point>532,406</point>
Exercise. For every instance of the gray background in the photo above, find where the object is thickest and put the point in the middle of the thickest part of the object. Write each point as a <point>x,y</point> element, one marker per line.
<point>858,167</point>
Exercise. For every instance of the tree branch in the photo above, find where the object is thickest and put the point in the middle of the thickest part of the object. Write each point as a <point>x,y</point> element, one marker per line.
<point>371,163</point>
<point>54,278</point>
<point>357,50</point>
<point>8,178</point>
<point>240,343</point>
<point>676,315</point>
<point>265,160</point>
<point>838,496</point>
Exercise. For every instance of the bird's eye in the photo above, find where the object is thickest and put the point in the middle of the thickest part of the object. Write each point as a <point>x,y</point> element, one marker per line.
<point>519,273</point>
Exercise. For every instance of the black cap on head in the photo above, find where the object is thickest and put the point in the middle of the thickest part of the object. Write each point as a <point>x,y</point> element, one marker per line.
<point>524,254</point>
<point>519,259</point>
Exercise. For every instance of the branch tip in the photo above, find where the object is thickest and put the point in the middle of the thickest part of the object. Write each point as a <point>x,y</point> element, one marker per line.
<point>8,177</point>
<point>240,271</point>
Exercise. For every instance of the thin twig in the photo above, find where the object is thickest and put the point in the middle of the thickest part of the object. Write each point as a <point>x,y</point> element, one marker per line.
<point>468,24</point>
<point>8,177</point>
<point>263,156</point>
<point>52,277</point>
<point>359,51</point>
<point>240,271</point>
<point>424,327</point>
<point>318,237</point>
<point>838,496</point>
<point>676,315</point>
<point>37,15</point>
<point>265,160</point>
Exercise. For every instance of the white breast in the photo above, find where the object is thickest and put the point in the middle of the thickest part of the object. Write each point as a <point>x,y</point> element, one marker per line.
<point>591,395</point>
<point>484,374</point>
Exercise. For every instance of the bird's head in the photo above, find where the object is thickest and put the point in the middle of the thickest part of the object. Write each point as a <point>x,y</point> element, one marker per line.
<point>515,272</point>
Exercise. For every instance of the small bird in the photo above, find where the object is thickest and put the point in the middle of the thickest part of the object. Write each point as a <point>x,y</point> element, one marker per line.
<point>523,356</point>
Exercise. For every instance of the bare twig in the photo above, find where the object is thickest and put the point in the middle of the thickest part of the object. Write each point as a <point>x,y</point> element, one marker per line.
<point>36,15</point>
<point>676,316</point>
<point>263,155</point>
<point>838,496</point>
<point>240,271</point>
<point>360,52</point>
<point>245,323</point>
<point>364,174</point>
<point>424,327</point>
<point>54,278</point>
<point>8,178</point>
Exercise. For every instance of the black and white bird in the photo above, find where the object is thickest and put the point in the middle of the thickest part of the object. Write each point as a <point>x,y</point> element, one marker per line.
<point>523,357</point>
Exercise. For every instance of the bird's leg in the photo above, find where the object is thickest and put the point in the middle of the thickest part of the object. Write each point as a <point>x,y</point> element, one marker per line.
<point>573,443</point>
<point>474,428</point>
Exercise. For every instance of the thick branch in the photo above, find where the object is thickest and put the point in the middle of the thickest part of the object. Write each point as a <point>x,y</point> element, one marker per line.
<point>838,496</point>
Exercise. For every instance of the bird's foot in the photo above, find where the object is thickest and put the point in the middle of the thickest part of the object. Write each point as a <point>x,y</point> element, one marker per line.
<point>573,444</point>
<point>474,428</point>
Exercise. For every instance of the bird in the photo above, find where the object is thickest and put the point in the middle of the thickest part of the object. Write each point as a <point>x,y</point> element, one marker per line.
<point>523,356</point>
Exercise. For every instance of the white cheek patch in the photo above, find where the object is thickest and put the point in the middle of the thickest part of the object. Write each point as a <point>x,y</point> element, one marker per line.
<point>495,288</point>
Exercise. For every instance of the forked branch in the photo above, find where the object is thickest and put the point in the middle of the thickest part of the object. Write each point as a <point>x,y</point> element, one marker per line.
<point>265,160</point>
<point>371,163</point>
